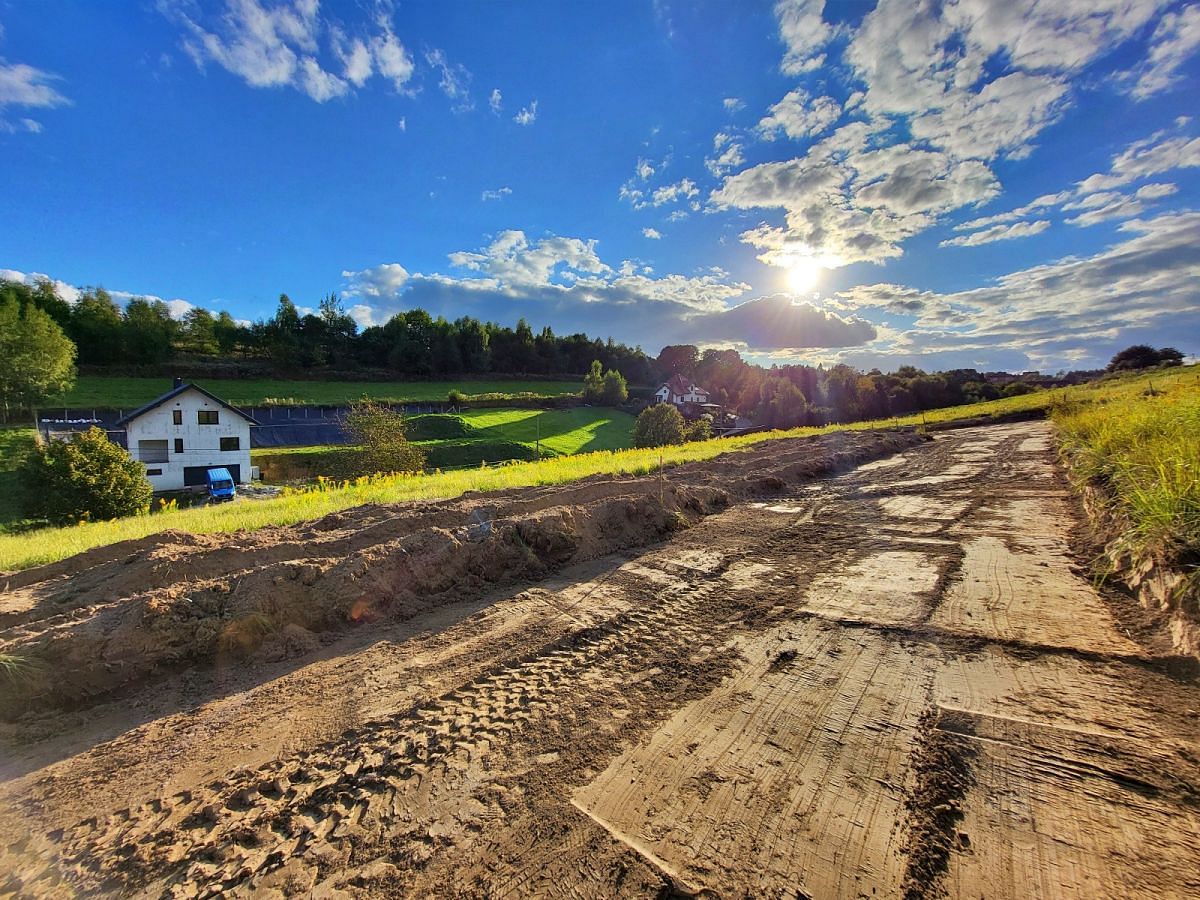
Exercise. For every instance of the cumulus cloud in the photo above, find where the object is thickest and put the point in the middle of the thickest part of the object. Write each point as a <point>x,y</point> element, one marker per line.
<point>282,44</point>
<point>778,322</point>
<point>1142,159</point>
<point>799,115</point>
<point>527,115</point>
<point>496,101</point>
<point>1175,39</point>
<point>653,233</point>
<point>804,32</point>
<point>683,189</point>
<point>998,233</point>
<point>498,194</point>
<point>733,104</point>
<point>66,291</point>
<point>379,282</point>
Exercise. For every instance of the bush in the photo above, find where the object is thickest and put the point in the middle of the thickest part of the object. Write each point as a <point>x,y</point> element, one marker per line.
<point>658,426</point>
<point>87,477</point>
<point>1017,389</point>
<point>697,430</point>
<point>380,436</point>
<point>614,391</point>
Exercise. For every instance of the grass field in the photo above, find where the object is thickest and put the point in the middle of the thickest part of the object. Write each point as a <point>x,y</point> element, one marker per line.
<point>103,392</point>
<point>19,551</point>
<point>455,440</point>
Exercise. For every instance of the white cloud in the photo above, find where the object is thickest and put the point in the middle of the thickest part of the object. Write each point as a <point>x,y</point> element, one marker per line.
<point>527,115</point>
<point>733,104</point>
<point>498,194</point>
<point>799,115</point>
<point>729,156</point>
<point>1141,159</point>
<point>1045,201</point>
<point>804,32</point>
<point>65,291</point>
<point>683,189</point>
<point>1175,39</point>
<point>454,80</point>
<point>402,123</point>
<point>280,45</point>
<point>644,169</point>
<point>653,233</point>
<point>998,233</point>
<point>25,86</point>
<point>382,281</point>
<point>496,101</point>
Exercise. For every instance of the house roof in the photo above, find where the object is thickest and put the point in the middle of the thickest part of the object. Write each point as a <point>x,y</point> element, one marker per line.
<point>680,385</point>
<point>175,392</point>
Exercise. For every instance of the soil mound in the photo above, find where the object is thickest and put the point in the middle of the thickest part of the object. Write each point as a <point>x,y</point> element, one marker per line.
<point>114,617</point>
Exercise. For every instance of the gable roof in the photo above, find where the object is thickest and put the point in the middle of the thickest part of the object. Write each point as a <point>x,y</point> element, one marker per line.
<point>680,385</point>
<point>175,392</point>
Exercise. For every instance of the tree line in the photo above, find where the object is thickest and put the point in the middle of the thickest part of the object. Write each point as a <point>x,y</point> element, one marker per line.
<point>411,343</point>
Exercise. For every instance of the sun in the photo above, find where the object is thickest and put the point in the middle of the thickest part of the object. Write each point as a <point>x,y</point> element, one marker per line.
<point>803,274</point>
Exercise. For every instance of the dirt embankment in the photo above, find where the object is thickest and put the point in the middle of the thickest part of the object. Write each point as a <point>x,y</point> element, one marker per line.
<point>113,617</point>
<point>1162,585</point>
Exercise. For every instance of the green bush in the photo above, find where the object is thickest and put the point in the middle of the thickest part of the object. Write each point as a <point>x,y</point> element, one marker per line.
<point>697,430</point>
<point>658,426</point>
<point>614,391</point>
<point>86,477</point>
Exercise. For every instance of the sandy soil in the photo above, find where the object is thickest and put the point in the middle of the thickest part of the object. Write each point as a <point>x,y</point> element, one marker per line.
<point>896,681</point>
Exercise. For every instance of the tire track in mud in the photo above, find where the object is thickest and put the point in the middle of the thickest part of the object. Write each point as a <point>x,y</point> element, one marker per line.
<point>210,841</point>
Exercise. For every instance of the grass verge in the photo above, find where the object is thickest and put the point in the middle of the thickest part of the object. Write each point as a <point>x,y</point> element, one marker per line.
<point>1143,452</point>
<point>21,551</point>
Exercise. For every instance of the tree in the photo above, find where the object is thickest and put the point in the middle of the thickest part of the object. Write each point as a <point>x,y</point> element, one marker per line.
<point>593,383</point>
<point>658,426</point>
<point>148,329</point>
<point>37,361</point>
<point>86,478</point>
<point>678,359</point>
<point>96,328</point>
<point>614,391</point>
<point>1017,389</point>
<point>1139,356</point>
<point>1169,356</point>
<point>199,333</point>
<point>380,434</point>
<point>698,429</point>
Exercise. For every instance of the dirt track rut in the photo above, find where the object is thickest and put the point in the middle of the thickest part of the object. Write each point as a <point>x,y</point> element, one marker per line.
<point>893,682</point>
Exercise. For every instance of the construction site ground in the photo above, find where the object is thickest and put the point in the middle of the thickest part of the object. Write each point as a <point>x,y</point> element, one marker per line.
<point>899,680</point>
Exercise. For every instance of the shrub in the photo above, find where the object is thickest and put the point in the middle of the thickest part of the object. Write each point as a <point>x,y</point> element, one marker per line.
<point>87,477</point>
<point>658,426</point>
<point>697,430</point>
<point>380,436</point>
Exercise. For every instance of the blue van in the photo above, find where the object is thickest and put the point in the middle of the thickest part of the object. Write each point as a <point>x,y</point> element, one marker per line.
<point>221,485</point>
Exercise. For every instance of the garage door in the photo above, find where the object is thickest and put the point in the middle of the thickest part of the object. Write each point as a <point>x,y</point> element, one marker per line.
<point>195,476</point>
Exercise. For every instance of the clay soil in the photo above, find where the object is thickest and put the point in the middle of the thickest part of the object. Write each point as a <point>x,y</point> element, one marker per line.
<point>866,666</point>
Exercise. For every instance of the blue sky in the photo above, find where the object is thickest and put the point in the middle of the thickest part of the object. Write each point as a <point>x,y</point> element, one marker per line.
<point>1000,185</point>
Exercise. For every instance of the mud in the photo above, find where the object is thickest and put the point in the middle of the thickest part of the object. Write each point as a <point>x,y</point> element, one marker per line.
<point>880,683</point>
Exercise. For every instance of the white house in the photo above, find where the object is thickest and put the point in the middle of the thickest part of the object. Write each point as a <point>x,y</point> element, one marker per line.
<point>679,390</point>
<point>186,432</point>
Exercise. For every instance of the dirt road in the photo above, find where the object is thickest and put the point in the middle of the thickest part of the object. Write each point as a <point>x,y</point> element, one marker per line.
<point>893,682</point>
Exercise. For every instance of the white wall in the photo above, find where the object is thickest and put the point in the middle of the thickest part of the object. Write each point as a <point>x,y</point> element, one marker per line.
<point>201,443</point>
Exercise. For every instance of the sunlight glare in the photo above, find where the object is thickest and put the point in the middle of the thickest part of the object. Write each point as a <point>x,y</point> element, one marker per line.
<point>803,274</point>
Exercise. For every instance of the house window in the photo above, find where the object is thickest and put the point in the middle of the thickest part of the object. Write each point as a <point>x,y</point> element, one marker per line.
<point>177,416</point>
<point>206,417</point>
<point>231,443</point>
<point>152,451</point>
<point>154,471</point>
<point>178,445</point>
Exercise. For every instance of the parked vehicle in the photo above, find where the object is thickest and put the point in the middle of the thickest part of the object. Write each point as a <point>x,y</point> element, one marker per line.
<point>221,485</point>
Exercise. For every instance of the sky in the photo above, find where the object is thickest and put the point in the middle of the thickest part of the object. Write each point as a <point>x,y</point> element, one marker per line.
<point>998,185</point>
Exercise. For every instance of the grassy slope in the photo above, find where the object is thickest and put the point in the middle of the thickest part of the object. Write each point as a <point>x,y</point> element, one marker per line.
<point>14,442</point>
<point>102,392</point>
<point>25,550</point>
<point>1144,451</point>
<point>465,439</point>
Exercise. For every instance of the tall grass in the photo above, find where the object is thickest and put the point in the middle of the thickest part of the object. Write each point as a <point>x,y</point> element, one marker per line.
<point>20,551</point>
<point>1143,450</point>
